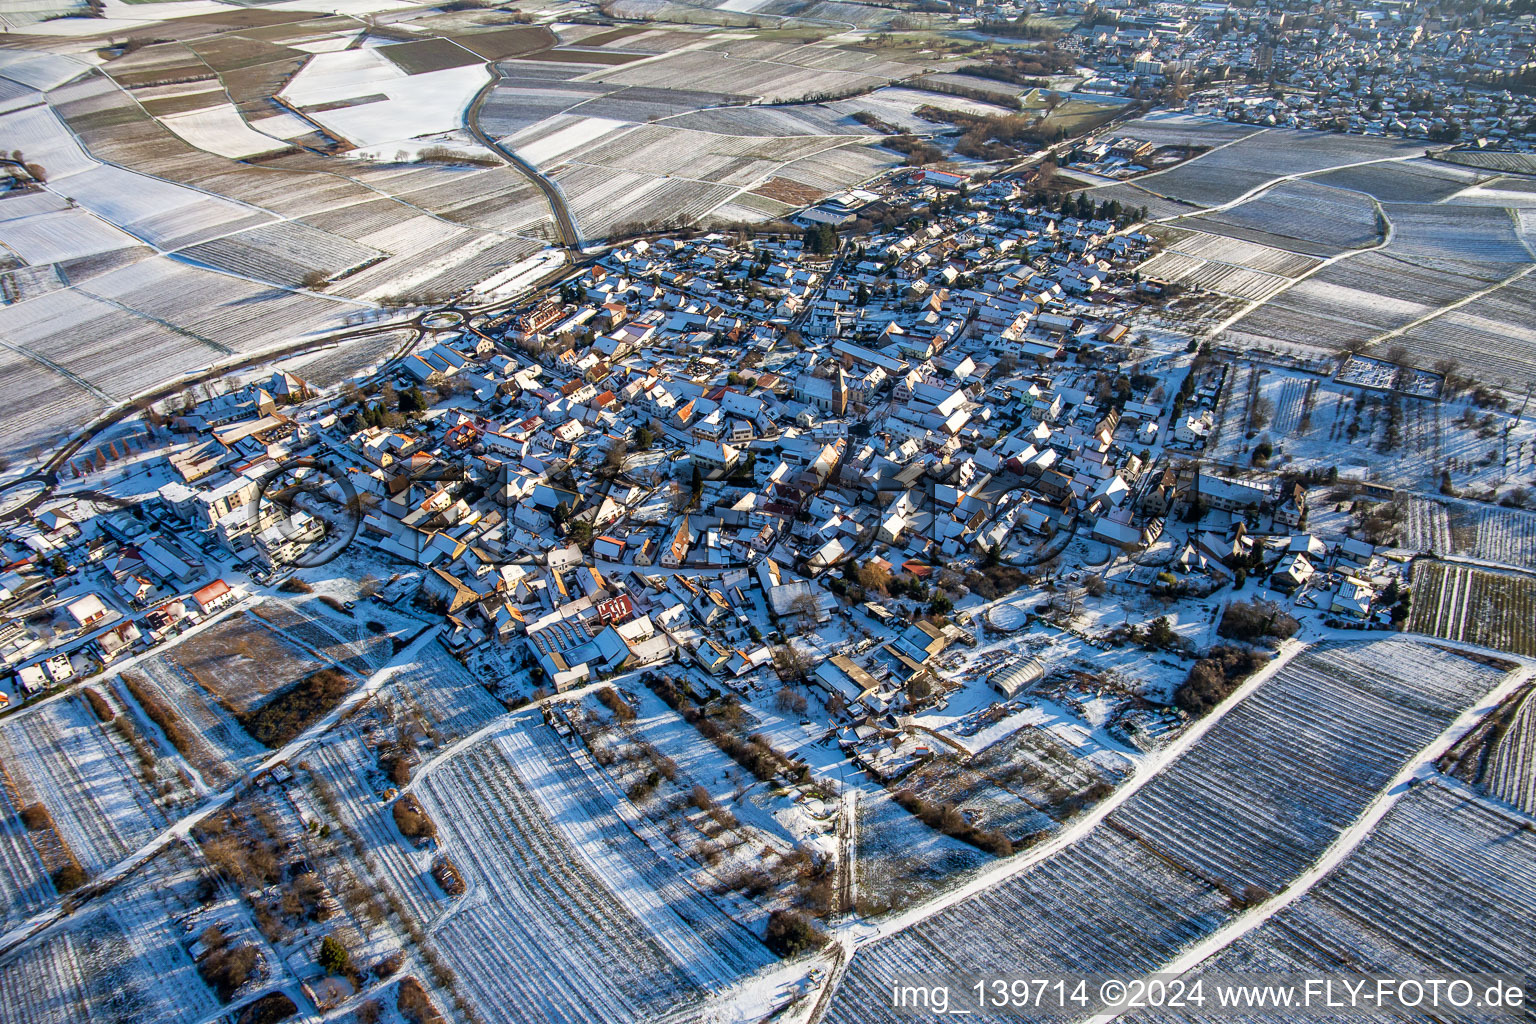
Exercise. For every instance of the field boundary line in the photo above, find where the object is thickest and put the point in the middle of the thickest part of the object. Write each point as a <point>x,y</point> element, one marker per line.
<point>1397,331</point>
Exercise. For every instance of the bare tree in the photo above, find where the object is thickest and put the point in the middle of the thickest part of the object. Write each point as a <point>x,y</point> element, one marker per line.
<point>790,701</point>
<point>790,662</point>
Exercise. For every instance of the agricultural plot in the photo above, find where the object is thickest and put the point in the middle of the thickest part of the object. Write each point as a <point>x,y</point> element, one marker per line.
<point>1505,536</point>
<point>1511,764</point>
<point>1350,713</point>
<point>1512,193</point>
<point>1260,797</point>
<point>552,139</point>
<point>835,169</point>
<point>284,253</point>
<point>227,315</point>
<point>1442,885</point>
<point>1208,275</point>
<point>1301,216</point>
<point>1402,181</point>
<point>1224,174</point>
<point>898,106</point>
<point>221,130</point>
<point>353,358</point>
<point>1490,338</point>
<point>121,960</point>
<point>1277,325</point>
<point>342,764</point>
<point>59,235</point>
<point>43,402</point>
<point>1007,92</point>
<point>342,91</point>
<point>1236,251</point>
<point>1324,294</point>
<point>23,283</point>
<point>1289,395</point>
<point>165,215</point>
<point>496,200</point>
<point>24,884</point>
<point>1049,919</point>
<point>1476,606</point>
<point>347,644</point>
<point>217,748</point>
<point>1202,182</point>
<point>640,104</point>
<point>241,661</point>
<point>423,55</point>
<point>454,702</point>
<point>434,257</point>
<point>791,119</point>
<point>771,71</point>
<point>902,861</point>
<point>1360,298</point>
<point>604,200</point>
<point>1485,234</point>
<point>1427,527</point>
<point>38,133</point>
<point>502,42</point>
<point>1169,129</point>
<point>61,756</point>
<point>579,921</point>
<point>662,151</point>
<point>106,350</point>
<point>1429,283</point>
<point>752,207</point>
<point>1504,163</point>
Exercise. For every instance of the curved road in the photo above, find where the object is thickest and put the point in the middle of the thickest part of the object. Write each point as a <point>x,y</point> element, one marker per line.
<point>46,476</point>
<point>570,234</point>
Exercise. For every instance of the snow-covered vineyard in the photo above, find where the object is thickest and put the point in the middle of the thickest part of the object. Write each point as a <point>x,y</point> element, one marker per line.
<point>1462,602</point>
<point>63,756</point>
<point>1499,535</point>
<point>125,962</point>
<point>569,916</point>
<point>1445,883</point>
<point>1511,764</point>
<point>1230,822</point>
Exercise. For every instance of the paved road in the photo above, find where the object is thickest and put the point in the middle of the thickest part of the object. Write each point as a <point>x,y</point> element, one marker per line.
<point>570,235</point>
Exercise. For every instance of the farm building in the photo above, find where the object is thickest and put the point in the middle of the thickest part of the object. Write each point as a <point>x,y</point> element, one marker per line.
<point>1016,678</point>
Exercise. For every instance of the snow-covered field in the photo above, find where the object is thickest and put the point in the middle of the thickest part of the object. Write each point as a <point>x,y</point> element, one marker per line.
<point>1501,535</point>
<point>221,130</point>
<point>454,701</point>
<point>1259,797</point>
<point>569,916</point>
<point>121,961</point>
<point>60,755</point>
<point>24,885</point>
<point>1511,763</point>
<point>57,235</point>
<point>1464,603</point>
<point>898,105</point>
<point>1442,885</point>
<point>368,100</point>
<point>222,749</point>
<point>549,140</point>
